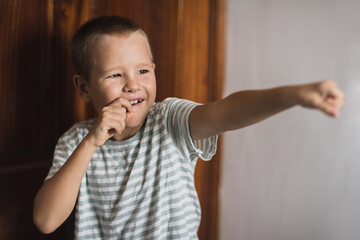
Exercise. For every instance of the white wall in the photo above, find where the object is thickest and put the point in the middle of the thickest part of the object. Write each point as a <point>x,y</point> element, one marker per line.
<point>295,176</point>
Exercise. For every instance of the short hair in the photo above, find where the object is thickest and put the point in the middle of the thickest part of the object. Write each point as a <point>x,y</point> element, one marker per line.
<point>91,33</point>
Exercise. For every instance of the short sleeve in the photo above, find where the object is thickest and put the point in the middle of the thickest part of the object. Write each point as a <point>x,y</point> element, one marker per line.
<point>177,112</point>
<point>64,148</point>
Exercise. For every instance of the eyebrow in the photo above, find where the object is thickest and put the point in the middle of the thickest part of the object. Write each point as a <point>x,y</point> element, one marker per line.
<point>114,69</point>
<point>136,66</point>
<point>144,65</point>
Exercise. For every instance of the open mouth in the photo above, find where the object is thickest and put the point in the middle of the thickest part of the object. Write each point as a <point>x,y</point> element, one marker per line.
<point>134,102</point>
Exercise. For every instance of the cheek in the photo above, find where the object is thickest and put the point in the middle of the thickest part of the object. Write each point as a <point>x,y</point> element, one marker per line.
<point>151,87</point>
<point>105,96</point>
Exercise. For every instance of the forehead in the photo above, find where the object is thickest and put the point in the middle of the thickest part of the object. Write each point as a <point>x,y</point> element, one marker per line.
<point>122,46</point>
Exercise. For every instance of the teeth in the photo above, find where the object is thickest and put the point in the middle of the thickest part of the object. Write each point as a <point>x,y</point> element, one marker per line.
<point>135,102</point>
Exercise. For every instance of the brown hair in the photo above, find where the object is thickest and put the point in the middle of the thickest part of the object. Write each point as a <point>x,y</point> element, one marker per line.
<point>91,33</point>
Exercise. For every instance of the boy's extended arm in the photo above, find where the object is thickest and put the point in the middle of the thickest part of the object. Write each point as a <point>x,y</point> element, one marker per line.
<point>244,108</point>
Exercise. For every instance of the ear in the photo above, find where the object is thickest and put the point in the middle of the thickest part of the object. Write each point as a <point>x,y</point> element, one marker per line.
<point>81,87</point>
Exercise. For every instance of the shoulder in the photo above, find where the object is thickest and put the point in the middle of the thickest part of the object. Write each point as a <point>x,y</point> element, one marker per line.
<point>177,101</point>
<point>173,103</point>
<point>84,125</point>
<point>170,107</point>
<point>78,131</point>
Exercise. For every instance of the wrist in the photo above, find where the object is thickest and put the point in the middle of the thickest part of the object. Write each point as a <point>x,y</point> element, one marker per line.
<point>89,143</point>
<point>291,95</point>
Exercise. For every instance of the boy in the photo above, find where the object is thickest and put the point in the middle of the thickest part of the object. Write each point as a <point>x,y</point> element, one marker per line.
<point>131,169</point>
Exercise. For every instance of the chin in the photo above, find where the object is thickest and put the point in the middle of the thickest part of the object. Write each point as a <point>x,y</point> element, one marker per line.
<point>135,123</point>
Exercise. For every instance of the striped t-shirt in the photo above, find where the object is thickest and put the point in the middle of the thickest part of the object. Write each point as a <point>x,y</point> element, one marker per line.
<point>142,187</point>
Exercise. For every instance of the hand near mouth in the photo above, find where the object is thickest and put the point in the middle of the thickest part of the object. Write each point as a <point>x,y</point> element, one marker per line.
<point>111,121</point>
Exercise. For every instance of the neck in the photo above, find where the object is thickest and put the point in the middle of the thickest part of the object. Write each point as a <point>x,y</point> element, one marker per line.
<point>127,133</point>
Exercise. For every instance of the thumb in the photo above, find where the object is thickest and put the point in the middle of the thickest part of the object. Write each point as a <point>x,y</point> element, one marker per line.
<point>329,108</point>
<point>129,115</point>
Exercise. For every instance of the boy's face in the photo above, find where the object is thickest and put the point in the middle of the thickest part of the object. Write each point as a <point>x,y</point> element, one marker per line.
<point>123,68</point>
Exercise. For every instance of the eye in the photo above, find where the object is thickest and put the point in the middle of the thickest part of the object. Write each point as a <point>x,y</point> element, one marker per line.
<point>114,75</point>
<point>143,71</point>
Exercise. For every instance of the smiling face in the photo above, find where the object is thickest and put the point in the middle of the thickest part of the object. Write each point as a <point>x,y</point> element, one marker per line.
<point>122,68</point>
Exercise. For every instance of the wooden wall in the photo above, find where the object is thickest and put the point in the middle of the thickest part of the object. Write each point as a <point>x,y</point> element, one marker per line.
<point>38,102</point>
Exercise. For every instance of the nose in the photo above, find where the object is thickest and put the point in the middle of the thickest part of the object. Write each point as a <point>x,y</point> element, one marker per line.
<point>131,85</point>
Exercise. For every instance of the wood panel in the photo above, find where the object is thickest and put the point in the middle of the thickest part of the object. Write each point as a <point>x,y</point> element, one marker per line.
<point>216,70</point>
<point>191,81</point>
<point>68,17</point>
<point>38,101</point>
<point>27,96</point>
<point>199,77</point>
<point>28,124</point>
